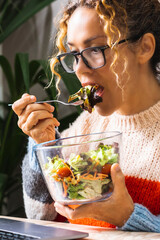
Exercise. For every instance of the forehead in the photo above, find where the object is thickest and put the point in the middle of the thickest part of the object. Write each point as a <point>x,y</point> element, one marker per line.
<point>84,24</point>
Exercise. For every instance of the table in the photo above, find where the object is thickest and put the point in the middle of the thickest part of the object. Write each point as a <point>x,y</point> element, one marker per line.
<point>96,233</point>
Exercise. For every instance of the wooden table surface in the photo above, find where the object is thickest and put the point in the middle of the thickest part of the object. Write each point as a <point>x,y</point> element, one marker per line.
<point>97,233</point>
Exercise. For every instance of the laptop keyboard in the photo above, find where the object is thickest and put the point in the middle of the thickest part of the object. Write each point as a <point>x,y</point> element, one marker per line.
<point>15,236</point>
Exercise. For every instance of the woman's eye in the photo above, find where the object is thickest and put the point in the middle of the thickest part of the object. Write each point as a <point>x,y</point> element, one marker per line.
<point>95,50</point>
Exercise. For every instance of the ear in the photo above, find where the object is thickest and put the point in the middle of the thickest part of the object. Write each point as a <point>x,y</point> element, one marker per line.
<point>146,48</point>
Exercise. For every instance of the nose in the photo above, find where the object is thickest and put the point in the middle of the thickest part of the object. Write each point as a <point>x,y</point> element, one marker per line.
<point>81,67</point>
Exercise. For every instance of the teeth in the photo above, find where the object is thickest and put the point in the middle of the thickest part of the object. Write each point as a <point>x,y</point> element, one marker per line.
<point>99,91</point>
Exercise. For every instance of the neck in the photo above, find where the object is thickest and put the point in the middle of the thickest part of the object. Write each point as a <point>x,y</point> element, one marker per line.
<point>146,93</point>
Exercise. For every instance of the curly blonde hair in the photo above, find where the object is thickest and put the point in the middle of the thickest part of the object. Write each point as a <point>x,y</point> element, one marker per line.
<point>121,17</point>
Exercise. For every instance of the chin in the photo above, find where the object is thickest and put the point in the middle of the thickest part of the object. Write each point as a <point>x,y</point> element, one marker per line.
<point>103,111</point>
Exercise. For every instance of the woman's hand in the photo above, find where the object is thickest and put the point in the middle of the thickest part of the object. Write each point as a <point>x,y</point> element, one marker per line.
<point>115,210</point>
<point>35,120</point>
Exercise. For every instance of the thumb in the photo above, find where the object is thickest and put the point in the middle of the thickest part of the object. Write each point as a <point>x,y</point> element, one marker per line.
<point>118,178</point>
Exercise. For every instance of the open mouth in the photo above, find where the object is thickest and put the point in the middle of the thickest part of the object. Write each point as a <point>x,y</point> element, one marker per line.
<point>99,91</point>
<point>95,95</point>
<point>91,95</point>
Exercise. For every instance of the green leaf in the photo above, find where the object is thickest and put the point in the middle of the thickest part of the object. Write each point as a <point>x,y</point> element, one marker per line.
<point>30,8</point>
<point>24,64</point>
<point>72,83</point>
<point>6,67</point>
<point>39,77</point>
<point>34,65</point>
<point>22,73</point>
<point>4,9</point>
<point>49,88</point>
<point>45,65</point>
<point>70,80</point>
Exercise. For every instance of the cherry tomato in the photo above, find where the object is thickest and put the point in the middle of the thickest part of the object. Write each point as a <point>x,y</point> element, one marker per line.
<point>63,172</point>
<point>106,169</point>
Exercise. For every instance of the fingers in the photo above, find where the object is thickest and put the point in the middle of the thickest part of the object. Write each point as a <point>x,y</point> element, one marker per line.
<point>66,211</point>
<point>63,210</point>
<point>84,210</point>
<point>43,122</point>
<point>45,130</point>
<point>25,95</point>
<point>35,120</point>
<point>21,104</point>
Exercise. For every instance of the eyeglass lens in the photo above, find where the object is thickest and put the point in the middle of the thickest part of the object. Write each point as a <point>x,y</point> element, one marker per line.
<point>92,57</point>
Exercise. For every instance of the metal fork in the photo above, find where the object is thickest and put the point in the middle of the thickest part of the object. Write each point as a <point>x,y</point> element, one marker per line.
<point>77,103</point>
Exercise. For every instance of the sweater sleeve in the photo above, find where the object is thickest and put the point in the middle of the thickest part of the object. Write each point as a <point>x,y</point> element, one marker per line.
<point>142,220</point>
<point>37,200</point>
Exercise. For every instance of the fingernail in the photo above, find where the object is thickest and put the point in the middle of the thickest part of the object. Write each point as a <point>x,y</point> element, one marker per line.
<point>52,108</point>
<point>32,97</point>
<point>118,168</point>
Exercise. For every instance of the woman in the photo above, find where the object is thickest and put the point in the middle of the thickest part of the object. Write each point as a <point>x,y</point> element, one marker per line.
<point>126,36</point>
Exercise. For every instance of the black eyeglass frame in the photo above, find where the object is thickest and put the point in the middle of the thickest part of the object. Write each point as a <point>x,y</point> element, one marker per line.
<point>102,48</point>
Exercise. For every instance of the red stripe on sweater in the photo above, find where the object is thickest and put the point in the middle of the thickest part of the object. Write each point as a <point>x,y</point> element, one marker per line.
<point>145,192</point>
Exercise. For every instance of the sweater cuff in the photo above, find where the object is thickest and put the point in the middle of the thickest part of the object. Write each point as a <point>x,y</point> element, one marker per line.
<point>142,220</point>
<point>33,163</point>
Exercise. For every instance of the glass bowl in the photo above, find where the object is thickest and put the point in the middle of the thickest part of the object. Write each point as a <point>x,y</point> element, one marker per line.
<point>77,169</point>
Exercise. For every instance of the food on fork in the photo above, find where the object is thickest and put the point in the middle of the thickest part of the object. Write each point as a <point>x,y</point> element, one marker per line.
<point>89,95</point>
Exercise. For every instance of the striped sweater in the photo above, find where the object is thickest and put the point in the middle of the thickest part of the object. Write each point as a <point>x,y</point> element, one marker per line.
<point>140,164</point>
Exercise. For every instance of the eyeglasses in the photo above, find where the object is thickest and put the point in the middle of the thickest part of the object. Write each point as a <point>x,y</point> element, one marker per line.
<point>93,57</point>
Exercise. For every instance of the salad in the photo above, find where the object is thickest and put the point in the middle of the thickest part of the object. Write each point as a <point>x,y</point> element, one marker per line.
<point>83,176</point>
<point>89,96</point>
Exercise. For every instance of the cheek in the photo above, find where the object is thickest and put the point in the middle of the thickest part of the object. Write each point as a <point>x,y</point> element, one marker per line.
<point>108,78</point>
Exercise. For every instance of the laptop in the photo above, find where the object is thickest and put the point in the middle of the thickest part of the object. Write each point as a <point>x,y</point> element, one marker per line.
<point>16,230</point>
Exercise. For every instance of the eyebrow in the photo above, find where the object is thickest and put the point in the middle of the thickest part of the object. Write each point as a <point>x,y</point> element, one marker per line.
<point>88,40</point>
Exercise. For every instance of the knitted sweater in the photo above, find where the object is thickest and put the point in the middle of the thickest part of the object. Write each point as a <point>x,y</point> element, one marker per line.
<point>140,164</point>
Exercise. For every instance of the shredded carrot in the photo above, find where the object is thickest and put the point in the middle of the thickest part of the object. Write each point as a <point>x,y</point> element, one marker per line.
<point>85,174</point>
<point>91,178</point>
<point>96,176</point>
<point>95,165</point>
<point>68,168</point>
<point>102,175</point>
<point>65,187</point>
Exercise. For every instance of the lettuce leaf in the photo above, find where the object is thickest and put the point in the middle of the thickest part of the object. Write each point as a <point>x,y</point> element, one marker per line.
<point>77,162</point>
<point>104,154</point>
<point>73,191</point>
<point>93,188</point>
<point>53,165</point>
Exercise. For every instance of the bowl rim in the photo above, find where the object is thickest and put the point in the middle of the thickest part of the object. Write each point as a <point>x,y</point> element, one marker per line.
<point>40,145</point>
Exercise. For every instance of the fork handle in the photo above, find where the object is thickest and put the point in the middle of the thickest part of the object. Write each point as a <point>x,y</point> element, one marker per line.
<point>64,103</point>
<point>50,101</point>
